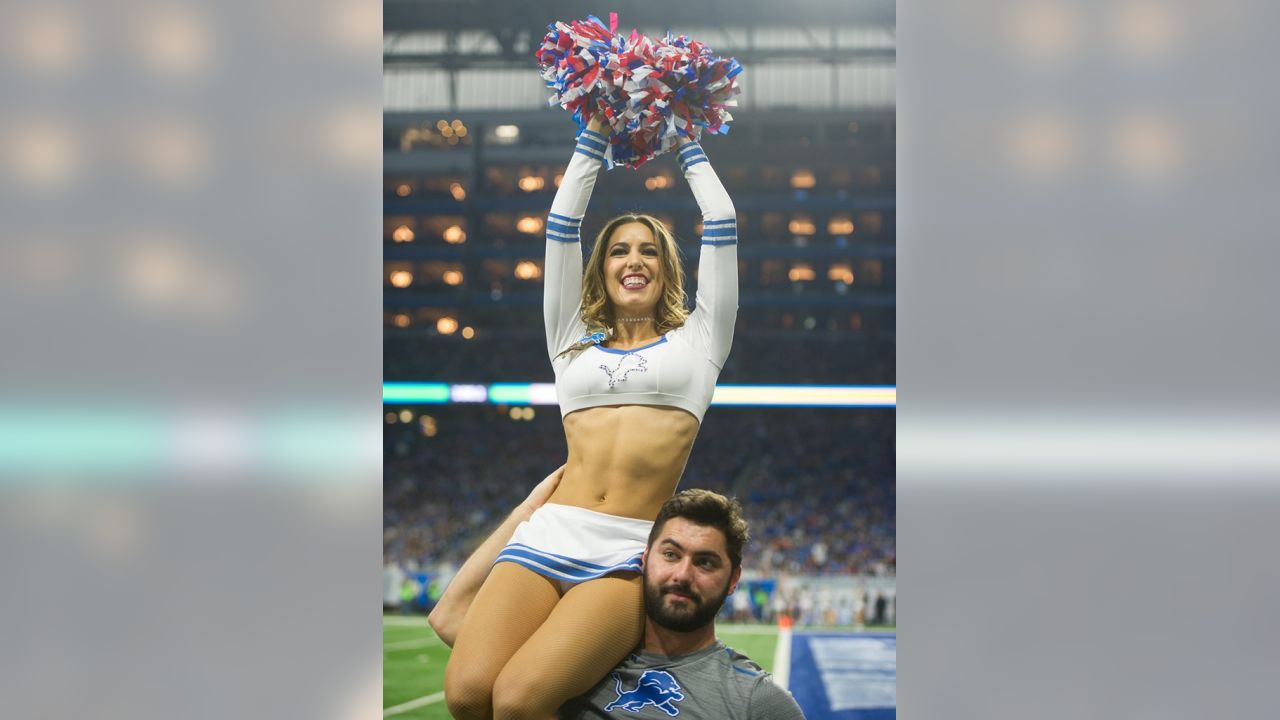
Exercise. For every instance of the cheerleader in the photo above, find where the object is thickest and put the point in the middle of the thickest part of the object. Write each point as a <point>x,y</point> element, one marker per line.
<point>635,371</point>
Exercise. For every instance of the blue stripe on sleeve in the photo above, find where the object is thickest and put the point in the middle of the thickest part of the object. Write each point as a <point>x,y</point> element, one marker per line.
<point>719,232</point>
<point>561,228</point>
<point>596,145</point>
<point>573,222</point>
<point>582,149</point>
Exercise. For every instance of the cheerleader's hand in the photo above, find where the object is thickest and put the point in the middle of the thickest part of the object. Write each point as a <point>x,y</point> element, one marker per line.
<point>542,491</point>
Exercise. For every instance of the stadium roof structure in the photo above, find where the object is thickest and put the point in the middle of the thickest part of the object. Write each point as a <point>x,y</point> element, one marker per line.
<point>517,26</point>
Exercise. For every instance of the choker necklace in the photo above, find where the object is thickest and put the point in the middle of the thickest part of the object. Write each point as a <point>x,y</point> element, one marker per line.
<point>635,319</point>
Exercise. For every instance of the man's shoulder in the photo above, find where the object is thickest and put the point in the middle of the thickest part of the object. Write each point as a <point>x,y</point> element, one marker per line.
<point>762,697</point>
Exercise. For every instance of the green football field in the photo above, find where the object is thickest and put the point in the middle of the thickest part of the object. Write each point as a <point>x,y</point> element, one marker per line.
<point>413,661</point>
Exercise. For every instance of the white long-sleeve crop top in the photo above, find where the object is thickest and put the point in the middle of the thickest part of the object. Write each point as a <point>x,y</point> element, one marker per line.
<point>680,368</point>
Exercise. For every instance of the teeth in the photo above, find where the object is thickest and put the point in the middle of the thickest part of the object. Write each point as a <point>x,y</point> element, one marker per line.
<point>634,282</point>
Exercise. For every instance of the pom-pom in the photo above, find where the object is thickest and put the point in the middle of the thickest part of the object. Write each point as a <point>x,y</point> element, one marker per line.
<point>647,92</point>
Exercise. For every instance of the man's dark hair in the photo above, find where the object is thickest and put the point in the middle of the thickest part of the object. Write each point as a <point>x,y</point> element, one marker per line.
<point>711,509</point>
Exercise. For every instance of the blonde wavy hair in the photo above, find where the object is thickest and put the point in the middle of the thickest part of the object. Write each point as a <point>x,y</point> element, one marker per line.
<point>597,310</point>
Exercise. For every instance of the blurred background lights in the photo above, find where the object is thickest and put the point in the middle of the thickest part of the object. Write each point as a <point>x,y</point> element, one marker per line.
<point>47,40</point>
<point>468,332</point>
<point>44,154</point>
<point>1146,147</point>
<point>156,273</point>
<point>527,270</point>
<point>406,416</point>
<point>1045,29</point>
<point>454,235</point>
<point>452,277</point>
<point>401,320</point>
<point>391,418</point>
<point>657,182</point>
<point>352,136</point>
<point>458,192</point>
<point>172,151</point>
<point>841,272</point>
<point>429,427</point>
<point>801,272</point>
<point>507,133</point>
<point>402,234</point>
<point>529,224</point>
<point>803,179</point>
<point>175,41</point>
<point>446,325</point>
<point>1145,28</point>
<point>840,225</point>
<point>353,24</point>
<point>1042,144</point>
<point>531,183</point>
<point>403,189</point>
<point>801,225</point>
<point>401,278</point>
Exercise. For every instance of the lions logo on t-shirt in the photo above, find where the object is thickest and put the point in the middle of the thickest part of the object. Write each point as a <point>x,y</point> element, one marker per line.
<point>656,687</point>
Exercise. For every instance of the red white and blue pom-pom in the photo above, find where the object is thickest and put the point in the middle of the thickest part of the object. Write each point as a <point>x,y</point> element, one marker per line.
<point>648,92</point>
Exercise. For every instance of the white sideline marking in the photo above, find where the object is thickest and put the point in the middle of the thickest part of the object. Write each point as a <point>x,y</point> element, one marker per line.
<point>782,659</point>
<point>727,629</point>
<point>410,644</point>
<point>404,620</point>
<point>406,707</point>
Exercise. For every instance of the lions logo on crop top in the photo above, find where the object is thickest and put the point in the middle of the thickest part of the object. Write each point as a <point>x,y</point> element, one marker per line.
<point>626,364</point>
<point>656,687</point>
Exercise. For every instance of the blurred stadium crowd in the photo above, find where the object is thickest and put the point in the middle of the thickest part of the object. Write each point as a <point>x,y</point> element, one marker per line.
<point>817,485</point>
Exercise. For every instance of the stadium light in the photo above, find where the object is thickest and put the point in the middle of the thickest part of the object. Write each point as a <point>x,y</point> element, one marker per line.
<point>507,133</point>
<point>402,278</point>
<point>527,270</point>
<point>840,225</point>
<point>803,179</point>
<point>402,233</point>
<point>454,235</point>
<point>529,224</point>
<point>446,325</point>
<point>801,225</point>
<point>801,272</point>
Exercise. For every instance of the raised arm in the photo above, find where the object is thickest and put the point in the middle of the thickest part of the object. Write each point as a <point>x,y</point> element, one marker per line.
<point>717,296</point>
<point>447,616</point>
<point>562,281</point>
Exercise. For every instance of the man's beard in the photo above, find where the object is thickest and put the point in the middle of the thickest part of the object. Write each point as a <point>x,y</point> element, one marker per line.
<point>698,613</point>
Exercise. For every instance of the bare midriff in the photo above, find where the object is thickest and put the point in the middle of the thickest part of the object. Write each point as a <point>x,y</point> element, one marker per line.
<point>625,460</point>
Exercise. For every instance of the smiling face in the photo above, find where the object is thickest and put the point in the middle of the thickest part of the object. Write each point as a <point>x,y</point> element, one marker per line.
<point>687,575</point>
<point>633,270</point>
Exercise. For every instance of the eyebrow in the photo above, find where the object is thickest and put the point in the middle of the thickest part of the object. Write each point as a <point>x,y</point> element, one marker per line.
<point>645,243</point>
<point>697,554</point>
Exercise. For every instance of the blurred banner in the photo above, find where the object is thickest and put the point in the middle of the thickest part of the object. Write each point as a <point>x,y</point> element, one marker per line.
<point>189,402</point>
<point>1089,432</point>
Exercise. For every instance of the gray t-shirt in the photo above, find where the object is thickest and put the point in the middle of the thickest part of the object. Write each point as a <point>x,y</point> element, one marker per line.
<point>715,683</point>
